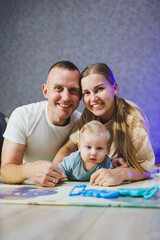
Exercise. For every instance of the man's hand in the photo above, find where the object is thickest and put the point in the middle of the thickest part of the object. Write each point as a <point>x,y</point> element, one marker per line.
<point>119,162</point>
<point>44,173</point>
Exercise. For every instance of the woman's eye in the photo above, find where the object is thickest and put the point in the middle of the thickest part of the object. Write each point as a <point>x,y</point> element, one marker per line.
<point>85,93</point>
<point>99,89</point>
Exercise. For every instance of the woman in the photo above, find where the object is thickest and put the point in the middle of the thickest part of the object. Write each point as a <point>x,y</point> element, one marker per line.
<point>129,143</point>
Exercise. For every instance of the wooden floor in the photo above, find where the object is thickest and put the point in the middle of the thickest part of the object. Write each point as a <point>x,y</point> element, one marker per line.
<point>28,222</point>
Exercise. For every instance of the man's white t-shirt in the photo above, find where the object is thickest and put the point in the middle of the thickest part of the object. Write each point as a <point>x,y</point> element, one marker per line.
<point>30,125</point>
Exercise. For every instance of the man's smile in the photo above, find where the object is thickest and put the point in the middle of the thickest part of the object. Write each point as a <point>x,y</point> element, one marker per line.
<point>65,105</point>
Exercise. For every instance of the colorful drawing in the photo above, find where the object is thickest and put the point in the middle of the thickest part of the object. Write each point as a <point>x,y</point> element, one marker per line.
<point>25,192</point>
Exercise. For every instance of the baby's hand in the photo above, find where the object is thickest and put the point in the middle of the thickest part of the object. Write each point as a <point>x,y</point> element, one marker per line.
<point>63,177</point>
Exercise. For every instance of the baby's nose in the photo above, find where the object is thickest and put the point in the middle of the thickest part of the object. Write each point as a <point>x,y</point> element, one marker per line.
<point>93,151</point>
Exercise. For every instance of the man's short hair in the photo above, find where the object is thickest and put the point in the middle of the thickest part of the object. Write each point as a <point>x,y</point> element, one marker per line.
<point>64,64</point>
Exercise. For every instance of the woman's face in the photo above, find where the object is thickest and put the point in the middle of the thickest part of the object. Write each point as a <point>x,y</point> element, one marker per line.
<point>98,95</point>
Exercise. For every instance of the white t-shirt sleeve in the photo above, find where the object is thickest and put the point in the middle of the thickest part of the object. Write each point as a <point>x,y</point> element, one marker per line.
<point>16,127</point>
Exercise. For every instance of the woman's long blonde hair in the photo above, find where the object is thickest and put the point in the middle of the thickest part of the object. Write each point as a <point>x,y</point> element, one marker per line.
<point>122,138</point>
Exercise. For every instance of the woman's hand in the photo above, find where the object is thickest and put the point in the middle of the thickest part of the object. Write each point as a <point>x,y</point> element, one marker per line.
<point>108,177</point>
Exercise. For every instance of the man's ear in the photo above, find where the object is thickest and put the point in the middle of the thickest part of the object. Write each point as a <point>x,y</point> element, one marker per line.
<point>45,91</point>
<point>115,89</point>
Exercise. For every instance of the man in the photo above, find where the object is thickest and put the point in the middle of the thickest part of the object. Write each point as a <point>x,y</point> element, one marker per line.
<point>35,132</point>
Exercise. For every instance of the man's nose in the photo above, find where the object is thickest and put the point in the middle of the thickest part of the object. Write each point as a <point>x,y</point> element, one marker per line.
<point>66,95</point>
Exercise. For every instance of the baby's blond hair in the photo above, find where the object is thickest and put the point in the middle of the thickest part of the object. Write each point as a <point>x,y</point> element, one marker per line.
<point>94,127</point>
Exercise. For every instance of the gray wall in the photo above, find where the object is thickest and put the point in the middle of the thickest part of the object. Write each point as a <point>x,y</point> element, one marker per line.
<point>125,34</point>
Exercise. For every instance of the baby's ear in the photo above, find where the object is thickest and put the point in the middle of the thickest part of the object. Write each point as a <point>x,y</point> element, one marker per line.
<point>78,144</point>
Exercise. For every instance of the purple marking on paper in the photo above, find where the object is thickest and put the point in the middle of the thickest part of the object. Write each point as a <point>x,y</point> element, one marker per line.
<point>26,192</point>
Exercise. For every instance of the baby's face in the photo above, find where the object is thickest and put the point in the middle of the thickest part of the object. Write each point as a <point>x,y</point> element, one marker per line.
<point>93,148</point>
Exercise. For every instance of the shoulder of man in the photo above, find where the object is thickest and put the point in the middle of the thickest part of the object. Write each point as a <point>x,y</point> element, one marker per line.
<point>21,119</point>
<point>32,107</point>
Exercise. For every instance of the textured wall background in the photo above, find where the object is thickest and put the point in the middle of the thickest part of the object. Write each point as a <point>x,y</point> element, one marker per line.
<point>34,34</point>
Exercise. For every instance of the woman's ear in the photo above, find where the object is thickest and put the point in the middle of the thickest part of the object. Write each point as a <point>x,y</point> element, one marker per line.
<point>115,88</point>
<point>45,91</point>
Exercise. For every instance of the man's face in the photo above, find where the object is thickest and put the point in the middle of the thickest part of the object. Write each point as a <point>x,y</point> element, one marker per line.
<point>62,92</point>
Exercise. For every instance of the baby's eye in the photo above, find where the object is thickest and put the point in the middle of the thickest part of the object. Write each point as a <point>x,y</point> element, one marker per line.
<point>99,148</point>
<point>88,147</point>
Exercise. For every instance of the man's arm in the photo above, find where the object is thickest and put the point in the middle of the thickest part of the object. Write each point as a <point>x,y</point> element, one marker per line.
<point>12,156</point>
<point>13,170</point>
<point>64,151</point>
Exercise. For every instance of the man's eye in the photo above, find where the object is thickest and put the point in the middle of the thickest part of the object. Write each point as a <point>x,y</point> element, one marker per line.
<point>58,88</point>
<point>74,91</point>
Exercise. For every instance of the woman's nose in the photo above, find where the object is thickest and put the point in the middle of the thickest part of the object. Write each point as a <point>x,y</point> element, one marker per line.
<point>93,96</point>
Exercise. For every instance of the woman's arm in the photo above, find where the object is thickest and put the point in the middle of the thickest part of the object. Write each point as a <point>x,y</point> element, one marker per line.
<point>64,151</point>
<point>112,177</point>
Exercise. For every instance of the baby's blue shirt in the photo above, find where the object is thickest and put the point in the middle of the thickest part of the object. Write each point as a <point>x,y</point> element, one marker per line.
<point>73,167</point>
